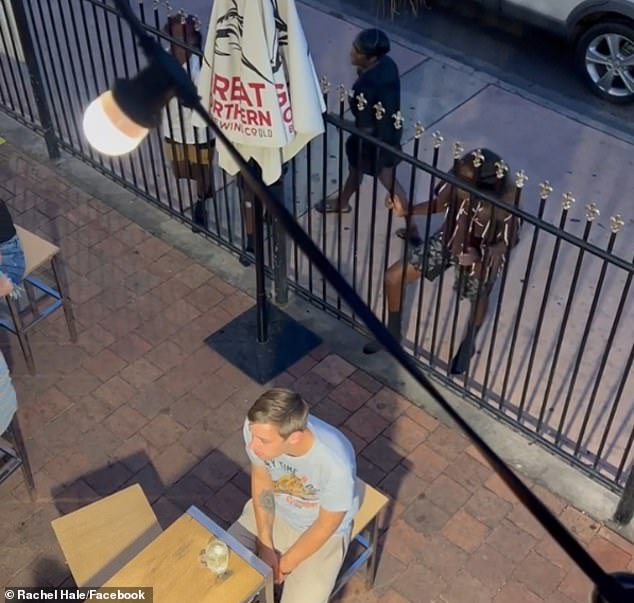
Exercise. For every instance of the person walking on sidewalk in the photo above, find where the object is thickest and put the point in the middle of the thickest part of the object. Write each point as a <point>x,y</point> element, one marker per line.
<point>303,496</point>
<point>476,238</point>
<point>378,84</point>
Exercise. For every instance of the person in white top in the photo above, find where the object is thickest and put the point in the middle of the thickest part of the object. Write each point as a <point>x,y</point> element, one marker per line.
<point>189,149</point>
<point>304,496</point>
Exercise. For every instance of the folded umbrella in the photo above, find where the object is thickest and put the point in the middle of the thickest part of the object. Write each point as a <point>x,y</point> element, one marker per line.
<point>259,83</point>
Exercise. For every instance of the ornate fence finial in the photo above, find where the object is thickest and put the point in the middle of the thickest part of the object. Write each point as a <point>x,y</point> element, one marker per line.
<point>592,212</point>
<point>325,85</point>
<point>544,190</point>
<point>438,139</point>
<point>478,158</point>
<point>362,102</point>
<point>520,179</point>
<point>399,120</point>
<point>183,16</point>
<point>501,169</point>
<point>458,150</point>
<point>567,200</point>
<point>155,4</point>
<point>342,92</point>
<point>168,7</point>
<point>197,23</point>
<point>379,110</point>
<point>616,223</point>
<point>419,129</point>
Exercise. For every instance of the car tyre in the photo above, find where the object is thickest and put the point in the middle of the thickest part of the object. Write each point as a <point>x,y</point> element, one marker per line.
<point>604,55</point>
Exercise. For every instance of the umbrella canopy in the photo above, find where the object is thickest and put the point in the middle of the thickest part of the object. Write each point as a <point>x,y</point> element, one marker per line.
<point>259,83</point>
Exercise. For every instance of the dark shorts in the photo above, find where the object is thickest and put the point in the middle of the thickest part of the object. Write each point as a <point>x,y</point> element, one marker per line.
<point>363,156</point>
<point>438,259</point>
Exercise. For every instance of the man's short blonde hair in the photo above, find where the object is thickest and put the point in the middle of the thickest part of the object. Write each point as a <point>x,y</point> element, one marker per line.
<point>285,409</point>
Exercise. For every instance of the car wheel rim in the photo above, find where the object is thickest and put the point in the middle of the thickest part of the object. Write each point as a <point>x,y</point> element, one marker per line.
<point>610,64</point>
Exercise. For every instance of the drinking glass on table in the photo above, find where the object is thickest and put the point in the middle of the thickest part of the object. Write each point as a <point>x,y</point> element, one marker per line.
<point>215,557</point>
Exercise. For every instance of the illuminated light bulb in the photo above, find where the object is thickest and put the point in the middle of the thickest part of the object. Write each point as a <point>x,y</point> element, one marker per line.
<point>108,129</point>
<point>117,121</point>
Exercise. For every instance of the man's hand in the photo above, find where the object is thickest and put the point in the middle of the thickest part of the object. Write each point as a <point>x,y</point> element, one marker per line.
<point>310,541</point>
<point>285,567</point>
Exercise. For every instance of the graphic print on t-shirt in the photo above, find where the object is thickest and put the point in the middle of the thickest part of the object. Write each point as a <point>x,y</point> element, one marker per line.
<point>296,489</point>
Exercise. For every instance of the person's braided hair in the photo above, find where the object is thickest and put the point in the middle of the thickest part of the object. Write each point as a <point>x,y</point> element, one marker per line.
<point>372,43</point>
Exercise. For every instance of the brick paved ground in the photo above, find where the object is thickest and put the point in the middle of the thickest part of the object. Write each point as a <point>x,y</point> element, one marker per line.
<point>140,398</point>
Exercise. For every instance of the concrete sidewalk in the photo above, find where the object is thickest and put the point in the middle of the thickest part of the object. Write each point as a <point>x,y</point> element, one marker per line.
<point>141,399</point>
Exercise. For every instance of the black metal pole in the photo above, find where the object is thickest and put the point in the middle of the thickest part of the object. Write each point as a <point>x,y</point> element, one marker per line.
<point>26,40</point>
<point>260,282</point>
<point>280,250</point>
<point>625,508</point>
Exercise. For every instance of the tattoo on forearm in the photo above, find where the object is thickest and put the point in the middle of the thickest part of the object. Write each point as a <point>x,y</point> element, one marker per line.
<point>267,501</point>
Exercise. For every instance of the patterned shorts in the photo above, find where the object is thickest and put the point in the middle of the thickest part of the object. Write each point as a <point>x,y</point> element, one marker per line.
<point>438,259</point>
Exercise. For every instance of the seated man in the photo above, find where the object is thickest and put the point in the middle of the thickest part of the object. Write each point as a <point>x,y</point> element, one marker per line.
<point>304,499</point>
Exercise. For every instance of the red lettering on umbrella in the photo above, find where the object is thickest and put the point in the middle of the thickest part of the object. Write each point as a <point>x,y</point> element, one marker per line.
<point>230,99</point>
<point>233,89</point>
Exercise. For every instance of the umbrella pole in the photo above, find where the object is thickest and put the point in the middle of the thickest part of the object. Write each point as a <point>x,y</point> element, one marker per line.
<point>260,282</point>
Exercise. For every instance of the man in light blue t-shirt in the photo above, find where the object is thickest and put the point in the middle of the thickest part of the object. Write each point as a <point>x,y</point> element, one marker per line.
<point>304,496</point>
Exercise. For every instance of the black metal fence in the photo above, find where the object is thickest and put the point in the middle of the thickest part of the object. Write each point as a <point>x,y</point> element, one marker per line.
<point>554,355</point>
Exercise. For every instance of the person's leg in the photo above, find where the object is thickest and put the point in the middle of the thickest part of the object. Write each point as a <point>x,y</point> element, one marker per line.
<point>350,187</point>
<point>394,288</point>
<point>244,530</point>
<point>312,580</point>
<point>248,220</point>
<point>202,174</point>
<point>341,202</point>
<point>478,312</point>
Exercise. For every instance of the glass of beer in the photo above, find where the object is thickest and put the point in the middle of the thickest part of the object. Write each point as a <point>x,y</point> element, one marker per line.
<point>215,557</point>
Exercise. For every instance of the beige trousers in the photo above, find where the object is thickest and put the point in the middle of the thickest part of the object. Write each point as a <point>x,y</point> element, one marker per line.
<point>312,580</point>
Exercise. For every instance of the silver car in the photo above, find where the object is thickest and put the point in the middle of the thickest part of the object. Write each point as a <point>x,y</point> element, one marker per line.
<point>601,33</point>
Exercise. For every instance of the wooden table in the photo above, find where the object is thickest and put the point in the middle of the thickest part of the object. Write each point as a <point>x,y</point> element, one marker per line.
<point>170,565</point>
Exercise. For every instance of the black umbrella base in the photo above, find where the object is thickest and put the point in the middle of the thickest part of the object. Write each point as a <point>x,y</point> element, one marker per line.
<point>288,342</point>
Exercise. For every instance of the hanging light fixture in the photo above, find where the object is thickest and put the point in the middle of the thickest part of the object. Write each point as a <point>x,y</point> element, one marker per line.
<point>118,120</point>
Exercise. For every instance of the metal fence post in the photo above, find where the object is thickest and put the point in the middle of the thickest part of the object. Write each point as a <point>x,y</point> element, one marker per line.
<point>260,278</point>
<point>43,109</point>
<point>625,509</point>
<point>280,255</point>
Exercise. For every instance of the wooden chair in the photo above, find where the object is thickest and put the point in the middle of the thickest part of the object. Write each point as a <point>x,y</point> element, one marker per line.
<point>100,538</point>
<point>365,532</point>
<point>38,252</point>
